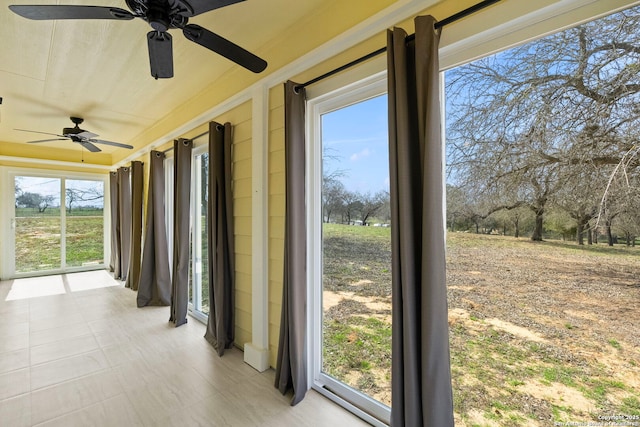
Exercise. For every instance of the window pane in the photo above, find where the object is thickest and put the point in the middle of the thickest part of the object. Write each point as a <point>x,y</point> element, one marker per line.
<point>356,337</point>
<point>199,283</point>
<point>37,224</point>
<point>84,234</point>
<point>542,212</point>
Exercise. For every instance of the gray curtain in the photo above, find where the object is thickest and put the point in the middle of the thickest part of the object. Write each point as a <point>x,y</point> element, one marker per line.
<point>220,326</point>
<point>291,369</point>
<point>137,182</point>
<point>124,222</point>
<point>181,232</point>
<point>421,377</point>
<point>115,225</point>
<point>154,286</point>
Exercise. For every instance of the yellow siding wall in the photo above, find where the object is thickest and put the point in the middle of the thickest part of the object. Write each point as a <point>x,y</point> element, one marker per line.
<point>276,216</point>
<point>240,119</point>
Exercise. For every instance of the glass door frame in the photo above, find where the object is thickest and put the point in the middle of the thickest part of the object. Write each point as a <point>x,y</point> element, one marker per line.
<point>357,402</point>
<point>196,279</point>
<point>7,230</point>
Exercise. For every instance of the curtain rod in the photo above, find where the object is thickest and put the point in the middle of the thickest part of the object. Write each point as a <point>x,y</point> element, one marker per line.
<point>451,19</point>
<point>195,137</point>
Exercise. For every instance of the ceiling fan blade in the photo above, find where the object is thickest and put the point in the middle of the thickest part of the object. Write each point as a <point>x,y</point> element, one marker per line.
<point>43,133</point>
<point>85,134</point>
<point>115,144</point>
<point>89,146</point>
<point>160,54</point>
<point>201,6</point>
<point>43,12</point>
<point>46,140</point>
<point>224,47</point>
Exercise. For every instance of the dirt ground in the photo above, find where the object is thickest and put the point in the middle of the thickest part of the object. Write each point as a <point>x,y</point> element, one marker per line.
<point>540,333</point>
<point>543,332</point>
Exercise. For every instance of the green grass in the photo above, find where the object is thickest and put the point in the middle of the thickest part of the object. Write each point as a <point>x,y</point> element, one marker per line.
<point>85,240</point>
<point>615,344</point>
<point>357,337</point>
<point>357,351</point>
<point>38,242</point>
<point>491,369</point>
<point>631,406</point>
<point>55,212</point>
<point>470,240</point>
<point>491,365</point>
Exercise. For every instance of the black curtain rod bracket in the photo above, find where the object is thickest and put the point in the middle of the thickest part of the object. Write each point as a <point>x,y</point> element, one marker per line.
<point>451,19</point>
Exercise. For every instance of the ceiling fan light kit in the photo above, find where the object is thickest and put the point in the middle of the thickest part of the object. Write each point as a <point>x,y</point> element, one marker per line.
<point>162,15</point>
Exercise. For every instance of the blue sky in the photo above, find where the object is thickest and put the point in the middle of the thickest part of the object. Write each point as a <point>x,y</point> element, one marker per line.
<point>357,138</point>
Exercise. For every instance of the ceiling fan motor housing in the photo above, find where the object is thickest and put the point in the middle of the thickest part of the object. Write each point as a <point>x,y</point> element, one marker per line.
<point>72,131</point>
<point>158,18</point>
<point>76,129</point>
<point>162,15</point>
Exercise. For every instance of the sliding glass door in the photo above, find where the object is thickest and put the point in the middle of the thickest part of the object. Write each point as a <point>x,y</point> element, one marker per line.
<point>350,249</point>
<point>56,223</point>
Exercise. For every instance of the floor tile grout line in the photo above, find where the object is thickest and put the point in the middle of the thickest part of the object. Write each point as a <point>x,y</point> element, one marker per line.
<point>70,380</point>
<point>63,357</point>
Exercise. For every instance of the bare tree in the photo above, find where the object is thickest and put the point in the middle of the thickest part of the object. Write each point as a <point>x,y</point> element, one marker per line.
<point>333,190</point>
<point>351,205</point>
<point>332,197</point>
<point>371,204</point>
<point>35,201</point>
<point>524,121</point>
<point>78,195</point>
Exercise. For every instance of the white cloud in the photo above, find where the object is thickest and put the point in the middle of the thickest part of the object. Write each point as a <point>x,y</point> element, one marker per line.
<point>359,155</point>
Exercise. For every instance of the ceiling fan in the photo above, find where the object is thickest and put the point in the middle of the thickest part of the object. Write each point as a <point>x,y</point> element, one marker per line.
<point>162,15</point>
<point>81,136</point>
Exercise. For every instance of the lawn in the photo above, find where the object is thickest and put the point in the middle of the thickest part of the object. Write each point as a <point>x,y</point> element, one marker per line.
<point>38,241</point>
<point>357,307</point>
<point>540,332</point>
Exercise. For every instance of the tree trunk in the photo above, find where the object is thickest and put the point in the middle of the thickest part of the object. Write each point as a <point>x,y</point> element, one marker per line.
<point>589,237</point>
<point>579,233</point>
<point>516,232</point>
<point>537,229</point>
<point>609,235</point>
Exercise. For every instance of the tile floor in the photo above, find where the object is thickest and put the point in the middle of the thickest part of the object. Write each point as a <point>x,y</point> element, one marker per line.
<point>76,351</point>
